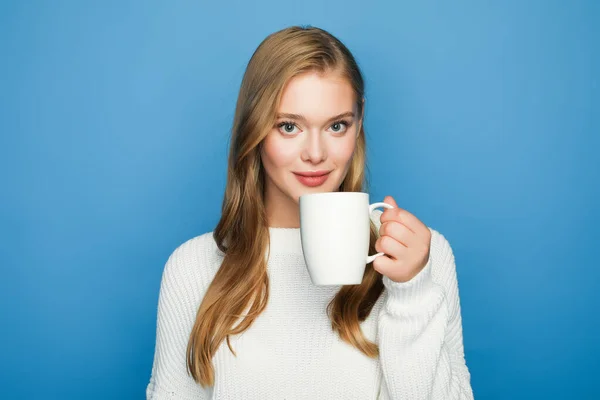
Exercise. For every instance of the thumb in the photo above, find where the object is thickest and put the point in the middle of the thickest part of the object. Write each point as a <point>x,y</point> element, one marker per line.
<point>390,200</point>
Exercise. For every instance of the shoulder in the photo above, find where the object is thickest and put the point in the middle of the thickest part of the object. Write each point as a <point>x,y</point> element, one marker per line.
<point>193,262</point>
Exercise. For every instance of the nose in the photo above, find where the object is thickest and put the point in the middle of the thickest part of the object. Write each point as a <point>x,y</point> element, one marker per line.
<point>314,150</point>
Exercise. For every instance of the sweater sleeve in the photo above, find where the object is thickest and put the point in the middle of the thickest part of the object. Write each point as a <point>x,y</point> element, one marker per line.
<point>179,297</point>
<point>420,333</point>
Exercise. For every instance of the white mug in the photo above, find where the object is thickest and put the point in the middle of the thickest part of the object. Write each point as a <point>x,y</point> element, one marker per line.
<point>335,233</point>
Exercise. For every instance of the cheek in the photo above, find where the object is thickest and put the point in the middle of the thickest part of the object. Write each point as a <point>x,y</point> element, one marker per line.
<point>343,150</point>
<point>278,152</point>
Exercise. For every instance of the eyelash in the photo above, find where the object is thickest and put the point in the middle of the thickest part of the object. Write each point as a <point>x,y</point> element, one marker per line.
<point>341,121</point>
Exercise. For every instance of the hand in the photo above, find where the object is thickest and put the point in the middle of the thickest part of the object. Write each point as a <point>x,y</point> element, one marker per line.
<point>405,240</point>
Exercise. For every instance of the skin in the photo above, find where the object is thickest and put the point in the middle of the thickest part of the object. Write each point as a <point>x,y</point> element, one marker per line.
<point>319,143</point>
<point>311,145</point>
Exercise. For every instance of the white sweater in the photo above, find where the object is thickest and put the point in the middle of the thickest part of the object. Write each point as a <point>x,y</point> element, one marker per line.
<point>291,352</point>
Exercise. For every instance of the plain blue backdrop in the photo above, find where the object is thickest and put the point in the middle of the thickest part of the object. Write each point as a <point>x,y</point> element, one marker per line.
<point>481,119</point>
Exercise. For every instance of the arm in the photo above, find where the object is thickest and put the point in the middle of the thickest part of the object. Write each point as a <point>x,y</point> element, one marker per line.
<point>420,333</point>
<point>179,297</point>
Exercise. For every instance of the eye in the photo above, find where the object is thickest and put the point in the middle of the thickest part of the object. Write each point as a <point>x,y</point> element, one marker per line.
<point>340,126</point>
<point>288,127</point>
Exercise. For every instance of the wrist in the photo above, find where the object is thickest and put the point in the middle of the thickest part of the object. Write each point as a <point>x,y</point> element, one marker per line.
<point>406,297</point>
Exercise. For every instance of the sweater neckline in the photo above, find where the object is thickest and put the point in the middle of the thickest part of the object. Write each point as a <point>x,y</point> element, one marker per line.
<point>285,240</point>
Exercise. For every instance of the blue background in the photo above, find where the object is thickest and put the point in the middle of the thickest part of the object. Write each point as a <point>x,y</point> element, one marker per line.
<point>482,120</point>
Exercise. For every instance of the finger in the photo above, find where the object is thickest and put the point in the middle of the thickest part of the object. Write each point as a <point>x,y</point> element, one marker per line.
<point>401,233</point>
<point>391,247</point>
<point>395,215</point>
<point>384,265</point>
<point>391,214</point>
<point>390,200</point>
<point>406,218</point>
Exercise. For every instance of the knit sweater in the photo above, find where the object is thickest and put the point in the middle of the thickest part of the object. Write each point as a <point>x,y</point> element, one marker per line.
<point>291,351</point>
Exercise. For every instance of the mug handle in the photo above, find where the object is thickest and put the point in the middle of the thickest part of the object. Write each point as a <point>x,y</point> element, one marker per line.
<point>371,208</point>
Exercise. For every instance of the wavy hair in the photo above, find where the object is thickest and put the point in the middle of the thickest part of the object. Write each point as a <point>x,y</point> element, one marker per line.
<point>242,233</point>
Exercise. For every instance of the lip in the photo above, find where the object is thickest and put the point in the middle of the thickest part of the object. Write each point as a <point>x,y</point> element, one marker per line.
<point>312,173</point>
<point>312,178</point>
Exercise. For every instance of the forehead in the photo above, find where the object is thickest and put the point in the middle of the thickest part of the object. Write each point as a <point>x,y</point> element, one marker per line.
<point>317,95</point>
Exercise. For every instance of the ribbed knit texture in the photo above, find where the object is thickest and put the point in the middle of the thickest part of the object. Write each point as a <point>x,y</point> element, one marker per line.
<point>291,352</point>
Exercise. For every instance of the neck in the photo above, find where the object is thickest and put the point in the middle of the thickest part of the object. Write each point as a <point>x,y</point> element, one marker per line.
<point>282,211</point>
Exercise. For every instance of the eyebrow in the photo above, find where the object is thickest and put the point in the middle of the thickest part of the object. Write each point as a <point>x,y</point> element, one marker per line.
<point>302,118</point>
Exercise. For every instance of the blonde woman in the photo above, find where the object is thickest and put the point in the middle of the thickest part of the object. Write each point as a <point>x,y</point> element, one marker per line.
<point>238,316</point>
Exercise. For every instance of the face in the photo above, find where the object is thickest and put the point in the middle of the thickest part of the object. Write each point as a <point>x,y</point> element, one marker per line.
<point>315,131</point>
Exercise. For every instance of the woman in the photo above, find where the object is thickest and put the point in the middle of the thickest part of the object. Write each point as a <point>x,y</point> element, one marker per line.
<point>238,317</point>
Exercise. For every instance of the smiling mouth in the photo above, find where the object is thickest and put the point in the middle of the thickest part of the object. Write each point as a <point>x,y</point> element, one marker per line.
<point>312,173</point>
<point>312,179</point>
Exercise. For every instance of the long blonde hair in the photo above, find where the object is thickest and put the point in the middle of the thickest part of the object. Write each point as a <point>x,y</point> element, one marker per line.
<point>242,233</point>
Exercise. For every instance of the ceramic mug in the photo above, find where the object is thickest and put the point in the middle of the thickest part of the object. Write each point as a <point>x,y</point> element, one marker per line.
<point>335,233</point>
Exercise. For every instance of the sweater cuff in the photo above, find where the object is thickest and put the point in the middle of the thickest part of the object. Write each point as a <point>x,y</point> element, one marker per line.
<point>406,298</point>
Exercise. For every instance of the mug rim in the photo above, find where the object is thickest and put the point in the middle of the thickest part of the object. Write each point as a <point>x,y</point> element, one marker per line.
<point>334,194</point>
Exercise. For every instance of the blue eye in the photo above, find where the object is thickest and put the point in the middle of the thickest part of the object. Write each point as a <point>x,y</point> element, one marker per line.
<point>286,125</point>
<point>338,123</point>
